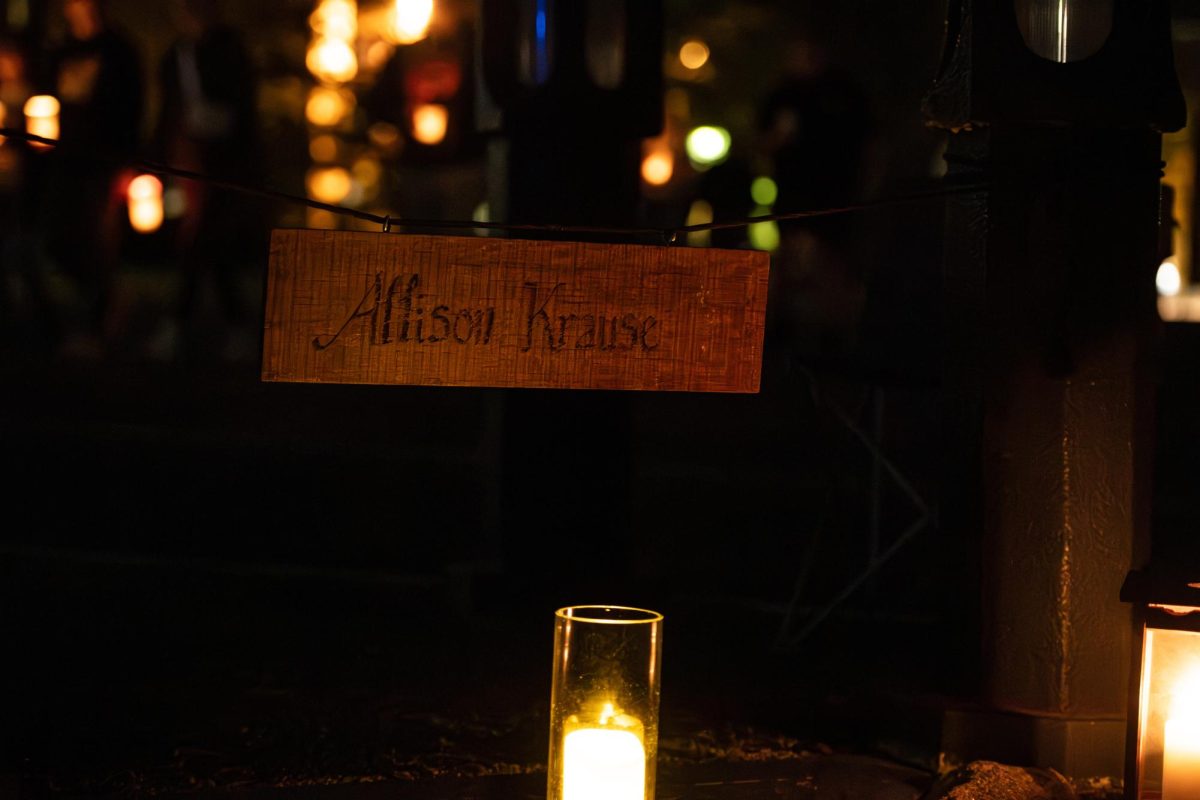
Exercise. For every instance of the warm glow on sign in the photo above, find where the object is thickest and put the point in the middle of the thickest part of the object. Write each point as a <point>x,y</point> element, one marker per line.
<point>145,198</point>
<point>326,107</point>
<point>409,21</point>
<point>658,166</point>
<point>41,117</point>
<point>429,122</point>
<point>708,144</point>
<point>605,762</point>
<point>1181,752</point>
<point>332,60</point>
<point>693,54</point>
<point>329,184</point>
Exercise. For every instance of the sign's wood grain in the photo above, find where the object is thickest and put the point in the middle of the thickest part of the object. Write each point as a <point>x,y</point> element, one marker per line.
<point>453,311</point>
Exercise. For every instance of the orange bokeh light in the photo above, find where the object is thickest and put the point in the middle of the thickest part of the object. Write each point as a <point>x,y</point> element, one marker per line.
<point>658,167</point>
<point>429,123</point>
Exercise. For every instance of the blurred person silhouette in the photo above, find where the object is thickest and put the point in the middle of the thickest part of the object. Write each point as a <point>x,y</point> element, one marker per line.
<point>20,267</point>
<point>97,78</point>
<point>816,127</point>
<point>207,124</point>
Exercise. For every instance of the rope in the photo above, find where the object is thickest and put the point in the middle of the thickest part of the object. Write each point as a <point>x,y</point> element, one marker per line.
<point>388,222</point>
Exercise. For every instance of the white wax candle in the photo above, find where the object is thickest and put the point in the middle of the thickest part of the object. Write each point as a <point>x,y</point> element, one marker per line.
<point>603,764</point>
<point>1181,759</point>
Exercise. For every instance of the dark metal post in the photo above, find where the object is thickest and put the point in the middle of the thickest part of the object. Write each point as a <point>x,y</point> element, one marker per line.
<point>1050,306</point>
<point>574,86</point>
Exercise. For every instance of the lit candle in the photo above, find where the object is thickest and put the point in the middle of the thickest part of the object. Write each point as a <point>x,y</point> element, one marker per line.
<point>606,761</point>
<point>1181,746</point>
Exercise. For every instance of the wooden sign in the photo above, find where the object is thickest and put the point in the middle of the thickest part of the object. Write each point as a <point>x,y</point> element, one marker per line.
<point>452,311</point>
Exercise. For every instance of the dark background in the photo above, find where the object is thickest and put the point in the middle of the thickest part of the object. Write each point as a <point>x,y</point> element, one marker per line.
<point>210,579</point>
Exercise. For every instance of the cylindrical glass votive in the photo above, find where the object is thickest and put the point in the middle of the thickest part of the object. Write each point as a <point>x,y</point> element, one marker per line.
<point>604,703</point>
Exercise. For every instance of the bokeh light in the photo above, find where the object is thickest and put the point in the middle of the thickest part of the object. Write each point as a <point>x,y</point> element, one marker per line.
<point>763,191</point>
<point>763,235</point>
<point>385,136</point>
<point>175,202</point>
<point>1168,280</point>
<point>41,117</point>
<point>708,144</point>
<point>332,60</point>
<point>658,166</point>
<point>327,107</point>
<point>336,19</point>
<point>322,219</point>
<point>699,213</point>
<point>145,201</point>
<point>694,54</point>
<point>377,56</point>
<point>323,149</point>
<point>367,172</point>
<point>429,123</point>
<point>329,184</point>
<point>410,21</point>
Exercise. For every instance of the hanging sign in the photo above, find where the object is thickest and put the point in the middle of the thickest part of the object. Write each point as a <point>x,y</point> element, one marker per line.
<point>381,308</point>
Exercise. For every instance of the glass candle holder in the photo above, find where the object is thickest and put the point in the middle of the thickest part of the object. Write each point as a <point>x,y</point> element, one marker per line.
<point>604,703</point>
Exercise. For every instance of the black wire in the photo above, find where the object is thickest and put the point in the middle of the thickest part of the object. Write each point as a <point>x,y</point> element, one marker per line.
<point>669,235</point>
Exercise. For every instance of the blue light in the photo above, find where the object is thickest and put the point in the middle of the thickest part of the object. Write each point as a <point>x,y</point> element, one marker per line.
<point>542,65</point>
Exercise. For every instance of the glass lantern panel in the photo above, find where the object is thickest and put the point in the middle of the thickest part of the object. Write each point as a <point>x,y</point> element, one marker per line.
<point>604,703</point>
<point>1169,716</point>
<point>1064,30</point>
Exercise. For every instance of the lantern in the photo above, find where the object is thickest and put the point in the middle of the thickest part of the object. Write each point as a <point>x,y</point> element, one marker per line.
<point>1106,63</point>
<point>1163,761</point>
<point>604,703</point>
